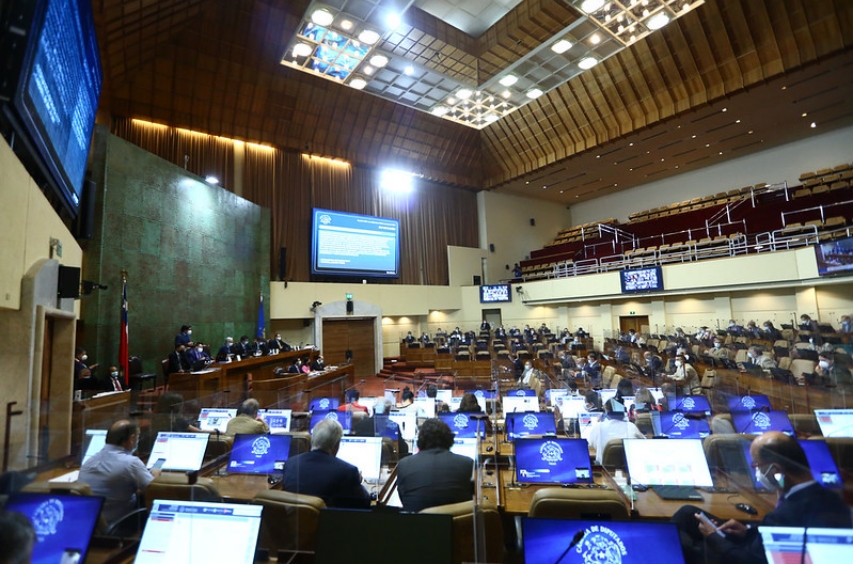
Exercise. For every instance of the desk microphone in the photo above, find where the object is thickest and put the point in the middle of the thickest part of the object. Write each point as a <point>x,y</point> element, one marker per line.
<point>575,540</point>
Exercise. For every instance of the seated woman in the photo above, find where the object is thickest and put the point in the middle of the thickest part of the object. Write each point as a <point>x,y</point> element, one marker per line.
<point>469,404</point>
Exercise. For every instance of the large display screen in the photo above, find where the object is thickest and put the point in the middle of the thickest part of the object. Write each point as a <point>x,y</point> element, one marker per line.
<point>346,244</point>
<point>495,293</point>
<point>57,92</point>
<point>642,280</point>
<point>835,257</point>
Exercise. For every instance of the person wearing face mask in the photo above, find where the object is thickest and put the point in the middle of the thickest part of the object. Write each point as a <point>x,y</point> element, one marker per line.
<point>770,332</point>
<point>734,328</point>
<point>185,336</point>
<point>832,373</point>
<point>762,361</point>
<point>198,357</point>
<point>685,376</point>
<point>652,366</point>
<point>115,383</point>
<point>116,473</point>
<point>592,370</point>
<point>242,348</point>
<point>780,465</point>
<point>718,351</point>
<point>846,326</point>
<point>810,325</point>
<point>84,378</point>
<point>529,377</point>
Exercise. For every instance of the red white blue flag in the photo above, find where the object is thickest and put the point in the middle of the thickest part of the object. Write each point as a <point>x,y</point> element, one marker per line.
<point>123,355</point>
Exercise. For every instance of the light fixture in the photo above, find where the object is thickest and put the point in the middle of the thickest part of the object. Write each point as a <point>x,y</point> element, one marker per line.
<point>302,50</point>
<point>395,180</point>
<point>346,25</point>
<point>587,63</point>
<point>368,70</point>
<point>439,110</point>
<point>590,6</point>
<point>378,61</point>
<point>322,17</point>
<point>533,93</point>
<point>595,39</point>
<point>409,70</point>
<point>506,94</point>
<point>211,180</point>
<point>358,83</point>
<point>561,46</point>
<point>464,94</point>
<point>393,21</point>
<point>813,125</point>
<point>508,80</point>
<point>368,37</point>
<point>491,118</point>
<point>658,21</point>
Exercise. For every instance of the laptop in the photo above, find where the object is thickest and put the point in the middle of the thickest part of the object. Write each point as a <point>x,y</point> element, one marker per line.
<point>196,531</point>
<point>835,422</point>
<point>94,439</point>
<point>258,454</point>
<point>752,402</point>
<point>552,461</point>
<point>408,422</point>
<point>761,422</point>
<point>63,524</point>
<point>278,420</point>
<point>462,425</point>
<point>822,465</point>
<point>365,453</point>
<point>324,404</point>
<point>678,425</point>
<point>342,417</point>
<point>691,404</point>
<point>214,418</point>
<point>519,404</point>
<point>672,468</point>
<point>465,447</point>
<point>180,452</point>
<point>815,546</point>
<point>527,424</point>
<point>597,540</point>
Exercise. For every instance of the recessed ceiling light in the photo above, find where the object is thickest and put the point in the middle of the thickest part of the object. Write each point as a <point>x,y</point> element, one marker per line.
<point>346,25</point>
<point>368,70</point>
<point>491,118</point>
<point>393,21</point>
<point>561,46</point>
<point>379,61</point>
<point>725,109</point>
<point>506,94</point>
<point>358,83</point>
<point>368,37</point>
<point>534,93</point>
<point>322,17</point>
<point>595,39</point>
<point>440,110</point>
<point>813,125</point>
<point>508,80</point>
<point>805,114</point>
<point>658,21</point>
<point>587,63</point>
<point>590,6</point>
<point>737,121</point>
<point>211,180</point>
<point>464,94</point>
<point>302,50</point>
<point>409,70</point>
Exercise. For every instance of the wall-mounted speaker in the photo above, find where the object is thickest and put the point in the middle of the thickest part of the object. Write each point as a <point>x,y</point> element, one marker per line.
<point>532,221</point>
<point>68,282</point>
<point>282,264</point>
<point>477,280</point>
<point>350,307</point>
<point>492,247</point>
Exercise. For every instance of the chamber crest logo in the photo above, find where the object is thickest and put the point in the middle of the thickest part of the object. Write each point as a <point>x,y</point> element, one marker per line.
<point>47,517</point>
<point>260,446</point>
<point>332,415</point>
<point>688,403</point>
<point>551,452</point>
<point>325,219</point>
<point>460,421</point>
<point>530,421</point>
<point>680,421</point>
<point>762,420</point>
<point>601,546</point>
<point>324,403</point>
<point>748,402</point>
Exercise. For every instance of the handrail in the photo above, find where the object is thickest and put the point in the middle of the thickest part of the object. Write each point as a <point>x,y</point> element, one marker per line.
<point>813,208</point>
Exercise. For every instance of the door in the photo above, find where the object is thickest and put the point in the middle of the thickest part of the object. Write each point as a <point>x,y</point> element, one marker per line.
<point>356,335</point>
<point>638,323</point>
<point>493,316</point>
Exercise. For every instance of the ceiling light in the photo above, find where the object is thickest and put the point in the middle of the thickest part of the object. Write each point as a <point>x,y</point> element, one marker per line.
<point>506,94</point>
<point>346,25</point>
<point>595,39</point>
<point>658,21</point>
<point>805,114</point>
<point>587,63</point>
<point>379,61</point>
<point>590,6</point>
<point>439,110</point>
<point>409,70</point>
<point>211,180</point>
<point>393,21</point>
<point>358,83</point>
<point>396,180</point>
<point>368,70</point>
<point>561,46</point>
<point>322,17</point>
<point>533,93</point>
<point>464,94</point>
<point>368,37</point>
<point>491,118</point>
<point>302,50</point>
<point>813,125</point>
<point>508,80</point>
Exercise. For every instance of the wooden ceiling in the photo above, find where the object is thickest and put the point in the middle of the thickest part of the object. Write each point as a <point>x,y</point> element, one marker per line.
<point>213,66</point>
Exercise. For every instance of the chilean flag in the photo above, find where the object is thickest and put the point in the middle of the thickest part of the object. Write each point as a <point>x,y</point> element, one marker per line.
<point>123,356</point>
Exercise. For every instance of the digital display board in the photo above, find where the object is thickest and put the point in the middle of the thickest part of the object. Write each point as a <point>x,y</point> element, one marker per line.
<point>346,244</point>
<point>495,293</point>
<point>642,280</point>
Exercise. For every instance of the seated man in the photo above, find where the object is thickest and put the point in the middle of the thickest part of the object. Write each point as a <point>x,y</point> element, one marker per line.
<point>318,365</point>
<point>242,348</point>
<point>115,473</point>
<point>196,356</point>
<point>179,360</point>
<point>295,366</point>
<point>434,476</point>
<point>755,356</point>
<point>718,351</point>
<point>424,338</point>
<point>247,422</point>
<point>592,370</point>
<point>685,376</point>
<point>225,350</point>
<point>612,426</point>
<point>653,365</point>
<point>833,373</point>
<point>846,325</point>
<point>781,465</point>
<point>278,344</point>
<point>353,405</point>
<point>319,473</point>
<point>409,338</point>
<point>379,425</point>
<point>259,347</point>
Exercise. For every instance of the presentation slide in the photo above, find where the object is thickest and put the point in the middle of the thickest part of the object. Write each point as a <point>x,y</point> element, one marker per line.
<point>345,244</point>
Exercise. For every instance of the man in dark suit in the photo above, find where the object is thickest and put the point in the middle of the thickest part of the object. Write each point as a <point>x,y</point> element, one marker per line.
<point>781,465</point>
<point>320,474</point>
<point>434,476</point>
<point>243,349</point>
<point>178,361</point>
<point>278,344</point>
<point>653,366</point>
<point>185,336</point>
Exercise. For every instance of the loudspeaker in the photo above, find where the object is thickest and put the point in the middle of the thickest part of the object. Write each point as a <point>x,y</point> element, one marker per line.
<point>68,282</point>
<point>492,247</point>
<point>532,221</point>
<point>477,280</point>
<point>350,306</point>
<point>86,217</point>
<point>282,263</point>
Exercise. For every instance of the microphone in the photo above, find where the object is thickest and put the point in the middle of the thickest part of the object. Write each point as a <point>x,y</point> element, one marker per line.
<point>575,540</point>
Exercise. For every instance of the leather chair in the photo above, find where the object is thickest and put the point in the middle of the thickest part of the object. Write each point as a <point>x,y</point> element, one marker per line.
<point>218,445</point>
<point>715,448</point>
<point>65,488</point>
<point>289,521</point>
<point>138,380</point>
<point>614,455</point>
<point>842,451</point>
<point>464,535</point>
<point>176,486</point>
<point>560,503</point>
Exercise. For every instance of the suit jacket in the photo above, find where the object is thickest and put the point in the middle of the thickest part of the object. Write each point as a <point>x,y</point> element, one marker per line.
<point>177,362</point>
<point>322,475</point>
<point>241,349</point>
<point>434,477</point>
<point>278,344</point>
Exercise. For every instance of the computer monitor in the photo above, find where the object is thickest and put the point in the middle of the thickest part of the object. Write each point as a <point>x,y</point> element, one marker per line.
<point>606,394</point>
<point>408,422</point>
<point>677,425</point>
<point>465,447</point>
<point>196,531</point>
<point>258,454</point>
<point>182,452</point>
<point>667,463</point>
<point>324,404</point>
<point>519,404</point>
<point>586,422</point>
<point>95,440</point>
<point>425,407</point>
<point>485,394</point>
<point>752,402</point>
<point>456,400</point>
<point>215,418</point>
<point>552,395</point>
<point>365,453</point>
<point>691,404</point>
<point>656,393</point>
<point>570,406</point>
<point>278,420</point>
<point>761,422</point>
<point>835,422</point>
<point>462,425</point>
<point>548,540</point>
<point>527,424</point>
<point>815,546</point>
<point>342,417</point>
<point>822,465</point>
<point>63,524</point>
<point>521,393</point>
<point>552,461</point>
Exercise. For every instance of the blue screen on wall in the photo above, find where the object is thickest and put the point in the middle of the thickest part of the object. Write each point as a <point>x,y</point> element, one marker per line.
<point>346,244</point>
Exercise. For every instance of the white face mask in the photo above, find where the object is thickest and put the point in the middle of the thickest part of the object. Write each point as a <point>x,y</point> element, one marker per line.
<point>824,364</point>
<point>767,328</point>
<point>678,363</point>
<point>200,349</point>
<point>189,331</point>
<point>114,374</point>
<point>84,357</point>
<point>717,345</point>
<point>777,483</point>
<point>811,340</point>
<point>527,367</point>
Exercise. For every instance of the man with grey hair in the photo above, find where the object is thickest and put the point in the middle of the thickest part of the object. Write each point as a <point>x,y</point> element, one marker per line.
<point>319,473</point>
<point>380,425</point>
<point>247,422</point>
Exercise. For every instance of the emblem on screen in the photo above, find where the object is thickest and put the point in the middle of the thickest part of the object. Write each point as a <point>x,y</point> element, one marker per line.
<point>762,420</point>
<point>678,420</point>
<point>47,517</point>
<point>460,421</point>
<point>325,219</point>
<point>530,422</point>
<point>324,403</point>
<point>748,402</point>
<point>479,394</point>
<point>601,545</point>
<point>332,415</point>
<point>520,393</point>
<point>688,403</point>
<point>260,446</point>
<point>551,452</point>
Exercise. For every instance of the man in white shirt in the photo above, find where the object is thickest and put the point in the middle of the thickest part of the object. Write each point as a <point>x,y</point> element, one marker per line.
<point>612,426</point>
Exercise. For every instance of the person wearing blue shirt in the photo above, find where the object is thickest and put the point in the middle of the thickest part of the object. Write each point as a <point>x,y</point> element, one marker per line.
<point>185,336</point>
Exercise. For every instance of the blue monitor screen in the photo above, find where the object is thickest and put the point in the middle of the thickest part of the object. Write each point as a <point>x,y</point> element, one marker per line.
<point>642,280</point>
<point>385,426</point>
<point>834,258</point>
<point>521,393</point>
<point>552,461</point>
<point>675,425</point>
<point>547,540</point>
<point>323,404</point>
<point>346,244</point>
<point>342,417</point>
<point>754,402</point>
<point>257,454</point>
<point>530,423</point>
<point>488,394</point>
<point>63,523</point>
<point>691,404</point>
<point>761,422</point>
<point>462,425</point>
<point>823,467</point>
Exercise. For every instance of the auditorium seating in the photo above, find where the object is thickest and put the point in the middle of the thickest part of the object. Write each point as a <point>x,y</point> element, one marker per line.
<point>560,503</point>
<point>289,521</point>
<point>173,485</point>
<point>465,535</point>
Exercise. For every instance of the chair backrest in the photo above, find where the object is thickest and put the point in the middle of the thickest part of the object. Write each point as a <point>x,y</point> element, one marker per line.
<point>608,373</point>
<point>714,446</point>
<point>176,486</point>
<point>784,362</point>
<point>740,356</point>
<point>560,503</point>
<point>70,488</point>
<point>800,366</point>
<point>842,451</point>
<point>464,535</point>
<point>218,445</point>
<point>709,378</point>
<point>289,520</point>
<point>614,455</point>
<point>134,366</point>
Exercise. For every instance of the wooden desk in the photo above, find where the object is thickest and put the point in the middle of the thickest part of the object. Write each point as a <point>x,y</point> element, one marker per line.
<point>97,413</point>
<point>516,500</point>
<point>279,392</point>
<point>330,383</point>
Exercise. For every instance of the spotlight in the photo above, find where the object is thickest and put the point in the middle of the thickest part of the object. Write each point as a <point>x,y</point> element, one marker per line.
<point>322,17</point>
<point>211,180</point>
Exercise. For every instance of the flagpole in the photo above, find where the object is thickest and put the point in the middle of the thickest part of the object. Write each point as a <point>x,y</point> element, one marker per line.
<point>123,353</point>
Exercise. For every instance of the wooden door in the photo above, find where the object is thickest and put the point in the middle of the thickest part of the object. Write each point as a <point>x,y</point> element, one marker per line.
<point>356,335</point>
<point>635,322</point>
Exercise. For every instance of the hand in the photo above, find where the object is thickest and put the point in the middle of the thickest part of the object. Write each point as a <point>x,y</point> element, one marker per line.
<point>705,528</point>
<point>156,472</point>
<point>733,527</point>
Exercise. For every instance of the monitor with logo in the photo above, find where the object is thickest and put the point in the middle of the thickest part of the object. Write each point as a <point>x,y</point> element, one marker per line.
<point>667,463</point>
<point>180,452</point>
<point>813,545</point>
<point>342,417</point>
<point>679,425</point>
<point>691,404</point>
<point>552,460</point>
<point>63,524</point>
<point>606,394</point>
<point>365,453</point>
<point>761,422</point>
<point>278,420</point>
<point>586,422</point>
<point>465,447</point>
<point>324,404</point>
<point>752,402</point>
<point>463,425</point>
<point>835,422</point>
<point>551,540</point>
<point>214,418</point>
<point>258,454</point>
<point>197,531</point>
<point>530,424</point>
<point>519,404</point>
<point>822,465</point>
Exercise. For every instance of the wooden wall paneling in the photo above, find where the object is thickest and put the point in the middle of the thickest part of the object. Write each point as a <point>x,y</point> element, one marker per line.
<point>354,334</point>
